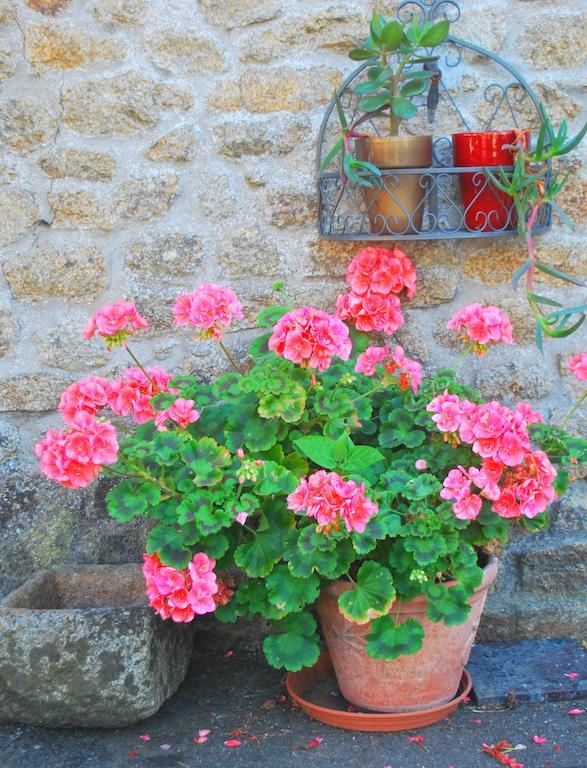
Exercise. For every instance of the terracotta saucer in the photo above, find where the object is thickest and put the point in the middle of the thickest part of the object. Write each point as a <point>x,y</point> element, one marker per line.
<point>318,683</point>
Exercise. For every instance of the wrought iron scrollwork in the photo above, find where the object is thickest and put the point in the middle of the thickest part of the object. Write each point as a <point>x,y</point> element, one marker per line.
<point>348,211</point>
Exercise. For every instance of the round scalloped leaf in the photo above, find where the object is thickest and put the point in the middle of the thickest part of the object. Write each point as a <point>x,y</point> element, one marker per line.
<point>387,640</point>
<point>447,605</point>
<point>228,613</point>
<point>127,499</point>
<point>274,478</point>
<point>297,646</point>
<point>290,593</point>
<point>426,549</point>
<point>246,503</point>
<point>207,460</point>
<point>168,543</point>
<point>258,555</point>
<point>422,486</point>
<point>310,539</point>
<point>246,428</point>
<point>288,405</point>
<point>372,595</point>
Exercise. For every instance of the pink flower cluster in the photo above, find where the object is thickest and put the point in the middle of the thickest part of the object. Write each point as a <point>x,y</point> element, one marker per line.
<point>578,366</point>
<point>211,308</point>
<point>74,457</point>
<point>328,498</point>
<point>311,338</point>
<point>88,395</point>
<point>131,394</point>
<point>115,323</point>
<point>515,478</point>
<point>409,371</point>
<point>482,325</point>
<point>182,412</point>
<point>525,489</point>
<point>375,276</point>
<point>181,595</point>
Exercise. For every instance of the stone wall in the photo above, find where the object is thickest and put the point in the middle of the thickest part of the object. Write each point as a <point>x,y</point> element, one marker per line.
<point>148,145</point>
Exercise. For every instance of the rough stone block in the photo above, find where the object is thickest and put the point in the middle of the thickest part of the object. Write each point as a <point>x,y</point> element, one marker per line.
<point>530,670</point>
<point>79,274</point>
<point>561,569</point>
<point>49,48</point>
<point>79,646</point>
<point>26,126</point>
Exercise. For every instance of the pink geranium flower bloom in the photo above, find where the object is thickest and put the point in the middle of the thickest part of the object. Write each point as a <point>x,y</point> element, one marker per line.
<point>132,393</point>
<point>381,271</point>
<point>210,308</point>
<point>482,326</point>
<point>115,323</point>
<point>330,499</point>
<point>181,595</point>
<point>371,312</point>
<point>311,338</point>
<point>89,395</point>
<point>409,371</point>
<point>578,366</point>
<point>75,457</point>
<point>182,412</point>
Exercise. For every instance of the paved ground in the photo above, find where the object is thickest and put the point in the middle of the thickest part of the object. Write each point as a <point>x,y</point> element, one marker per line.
<point>224,693</point>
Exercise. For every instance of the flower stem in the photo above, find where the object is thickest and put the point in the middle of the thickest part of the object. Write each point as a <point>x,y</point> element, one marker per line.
<point>136,360</point>
<point>231,359</point>
<point>573,409</point>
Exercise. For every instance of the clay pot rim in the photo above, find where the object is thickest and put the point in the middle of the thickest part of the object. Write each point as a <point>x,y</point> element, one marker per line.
<point>368,721</point>
<point>335,588</point>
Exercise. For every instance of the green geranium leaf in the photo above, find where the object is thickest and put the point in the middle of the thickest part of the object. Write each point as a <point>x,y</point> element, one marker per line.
<point>258,555</point>
<point>388,640</point>
<point>247,503</point>
<point>246,428</point>
<point>214,546</point>
<point>207,460</point>
<point>296,646</point>
<point>464,568</point>
<point>372,595</point>
<point>290,593</point>
<point>194,506</point>
<point>226,385</point>
<point>274,478</point>
<point>228,613</point>
<point>128,500</point>
<point>268,317</point>
<point>288,405</point>
<point>360,457</point>
<point>310,539</point>
<point>169,545</point>
<point>303,564</point>
<point>165,446</point>
<point>318,449</point>
<point>399,430</point>
<point>427,549</point>
<point>422,486</point>
<point>447,604</point>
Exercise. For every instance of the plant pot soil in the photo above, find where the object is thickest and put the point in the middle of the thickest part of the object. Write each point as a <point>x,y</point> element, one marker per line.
<point>423,680</point>
<point>486,208</point>
<point>396,205</point>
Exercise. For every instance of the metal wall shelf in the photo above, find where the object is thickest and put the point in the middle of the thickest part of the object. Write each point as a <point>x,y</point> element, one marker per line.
<point>494,96</point>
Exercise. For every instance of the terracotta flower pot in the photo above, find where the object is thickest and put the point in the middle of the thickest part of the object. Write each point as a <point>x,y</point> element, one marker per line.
<point>397,207</point>
<point>422,680</point>
<point>486,207</point>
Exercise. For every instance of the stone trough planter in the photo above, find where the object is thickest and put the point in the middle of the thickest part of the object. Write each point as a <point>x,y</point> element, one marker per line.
<point>79,646</point>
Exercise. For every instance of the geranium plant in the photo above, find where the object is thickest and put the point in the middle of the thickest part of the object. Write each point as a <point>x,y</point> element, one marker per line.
<point>328,458</point>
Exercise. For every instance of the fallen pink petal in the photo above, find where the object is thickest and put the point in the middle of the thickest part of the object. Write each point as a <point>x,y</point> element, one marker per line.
<point>232,743</point>
<point>166,747</point>
<point>575,711</point>
<point>572,675</point>
<point>476,721</point>
<point>145,737</point>
<point>539,739</point>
